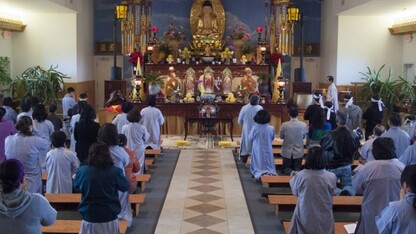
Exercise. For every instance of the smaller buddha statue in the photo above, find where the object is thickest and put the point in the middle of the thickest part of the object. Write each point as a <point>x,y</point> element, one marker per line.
<point>172,84</point>
<point>248,83</point>
<point>190,82</point>
<point>227,81</point>
<point>206,82</point>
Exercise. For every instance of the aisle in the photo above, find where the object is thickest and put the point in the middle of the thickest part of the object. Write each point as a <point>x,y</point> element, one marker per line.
<point>205,196</point>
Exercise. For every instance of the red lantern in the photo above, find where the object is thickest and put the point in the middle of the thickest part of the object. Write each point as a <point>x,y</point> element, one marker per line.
<point>155,29</point>
<point>259,29</point>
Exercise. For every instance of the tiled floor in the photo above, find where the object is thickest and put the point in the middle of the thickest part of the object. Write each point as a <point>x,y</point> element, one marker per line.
<point>205,196</point>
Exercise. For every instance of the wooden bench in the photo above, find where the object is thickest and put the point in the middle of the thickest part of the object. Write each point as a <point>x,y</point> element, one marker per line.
<point>75,198</point>
<point>338,227</point>
<point>143,179</point>
<point>279,162</point>
<point>288,200</point>
<point>280,180</point>
<point>74,226</point>
<point>149,163</point>
<point>152,152</point>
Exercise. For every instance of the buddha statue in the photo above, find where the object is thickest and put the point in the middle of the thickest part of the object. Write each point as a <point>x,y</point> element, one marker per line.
<point>172,85</point>
<point>207,22</point>
<point>248,83</point>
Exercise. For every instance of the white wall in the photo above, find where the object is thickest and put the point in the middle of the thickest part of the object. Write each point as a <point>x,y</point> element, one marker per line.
<point>6,46</point>
<point>365,41</point>
<point>49,39</point>
<point>409,50</point>
<point>85,42</point>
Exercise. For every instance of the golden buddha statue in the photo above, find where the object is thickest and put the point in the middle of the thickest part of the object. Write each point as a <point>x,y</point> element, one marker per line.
<point>248,83</point>
<point>207,26</point>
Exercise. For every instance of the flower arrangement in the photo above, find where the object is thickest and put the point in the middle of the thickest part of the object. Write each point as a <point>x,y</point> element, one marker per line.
<point>239,33</point>
<point>174,33</point>
<point>226,54</point>
<point>185,54</point>
<point>134,57</point>
<point>247,49</point>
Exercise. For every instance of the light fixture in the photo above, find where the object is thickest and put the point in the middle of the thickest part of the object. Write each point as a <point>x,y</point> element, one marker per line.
<point>11,22</point>
<point>138,84</point>
<point>293,14</point>
<point>263,50</point>
<point>281,83</point>
<point>259,29</point>
<point>119,14</point>
<point>150,48</point>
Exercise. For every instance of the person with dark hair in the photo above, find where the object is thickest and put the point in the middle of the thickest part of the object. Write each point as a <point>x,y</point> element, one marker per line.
<point>85,133</point>
<point>366,153</point>
<point>379,183</point>
<point>315,113</point>
<point>314,188</point>
<point>292,132</point>
<point>133,166</point>
<point>355,113</point>
<point>100,182</point>
<point>408,125</point>
<point>330,114</point>
<point>401,138</point>
<point>373,115</point>
<point>44,126</point>
<point>26,146</point>
<point>55,120</point>
<point>261,137</point>
<point>340,145</point>
<point>82,100</point>
<point>61,164</point>
<point>121,119</point>
<point>6,129</point>
<point>20,210</point>
<point>108,134</point>
<point>74,120</point>
<point>152,119</point>
<point>136,135</point>
<point>10,112</point>
<point>68,101</point>
<point>332,92</point>
<point>246,118</point>
<point>25,108</point>
<point>400,216</point>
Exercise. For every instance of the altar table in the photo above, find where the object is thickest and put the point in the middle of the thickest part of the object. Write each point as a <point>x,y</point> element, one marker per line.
<point>209,123</point>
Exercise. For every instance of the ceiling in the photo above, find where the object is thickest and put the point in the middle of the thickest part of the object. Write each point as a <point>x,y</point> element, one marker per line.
<point>382,7</point>
<point>33,6</point>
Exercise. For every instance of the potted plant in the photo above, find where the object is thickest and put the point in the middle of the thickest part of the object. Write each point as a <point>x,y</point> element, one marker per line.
<point>155,81</point>
<point>5,78</point>
<point>263,81</point>
<point>248,52</point>
<point>39,82</point>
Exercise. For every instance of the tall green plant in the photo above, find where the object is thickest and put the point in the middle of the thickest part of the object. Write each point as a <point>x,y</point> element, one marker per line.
<point>5,78</point>
<point>42,83</point>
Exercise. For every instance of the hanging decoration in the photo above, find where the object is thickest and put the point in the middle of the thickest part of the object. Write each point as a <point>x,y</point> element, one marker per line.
<point>136,30</point>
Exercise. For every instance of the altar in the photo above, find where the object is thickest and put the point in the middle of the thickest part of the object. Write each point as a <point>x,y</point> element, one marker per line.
<point>175,115</point>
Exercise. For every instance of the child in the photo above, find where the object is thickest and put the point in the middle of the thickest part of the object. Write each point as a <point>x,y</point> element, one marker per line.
<point>61,164</point>
<point>400,216</point>
<point>314,187</point>
<point>133,166</point>
<point>55,120</point>
<point>261,137</point>
<point>99,183</point>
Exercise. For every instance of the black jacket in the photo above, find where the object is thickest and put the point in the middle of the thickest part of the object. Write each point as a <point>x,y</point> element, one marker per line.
<point>339,145</point>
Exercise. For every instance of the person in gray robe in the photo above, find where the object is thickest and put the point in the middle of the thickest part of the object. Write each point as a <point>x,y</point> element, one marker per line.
<point>400,138</point>
<point>152,119</point>
<point>68,101</point>
<point>409,155</point>
<point>108,134</point>
<point>314,188</point>
<point>121,119</point>
<point>61,164</point>
<point>44,127</point>
<point>400,216</point>
<point>136,135</point>
<point>26,146</point>
<point>261,137</point>
<point>292,132</point>
<point>355,114</point>
<point>245,118</point>
<point>379,183</point>
<point>366,153</point>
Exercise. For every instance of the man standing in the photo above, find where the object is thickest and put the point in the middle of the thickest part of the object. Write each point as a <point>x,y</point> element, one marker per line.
<point>246,118</point>
<point>332,93</point>
<point>400,138</point>
<point>341,145</point>
<point>68,101</point>
<point>292,132</point>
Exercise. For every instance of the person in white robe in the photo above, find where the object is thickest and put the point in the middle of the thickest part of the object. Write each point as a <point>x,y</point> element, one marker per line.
<point>152,119</point>
<point>261,137</point>
<point>74,119</point>
<point>379,183</point>
<point>136,135</point>
<point>400,138</point>
<point>245,118</point>
<point>121,119</point>
<point>314,188</point>
<point>409,155</point>
<point>61,164</point>
<point>108,134</point>
<point>332,93</point>
<point>26,146</point>
<point>68,101</point>
<point>400,216</point>
<point>44,127</point>
<point>366,153</point>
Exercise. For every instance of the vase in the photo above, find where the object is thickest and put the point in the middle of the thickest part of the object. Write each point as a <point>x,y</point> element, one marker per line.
<point>187,61</point>
<point>238,45</point>
<point>174,49</point>
<point>154,89</point>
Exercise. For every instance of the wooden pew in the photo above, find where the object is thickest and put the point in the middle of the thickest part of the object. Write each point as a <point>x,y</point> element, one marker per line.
<point>280,180</point>
<point>149,163</point>
<point>338,227</point>
<point>279,162</point>
<point>152,153</point>
<point>73,226</point>
<point>288,200</point>
<point>75,198</point>
<point>278,151</point>
<point>143,179</point>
